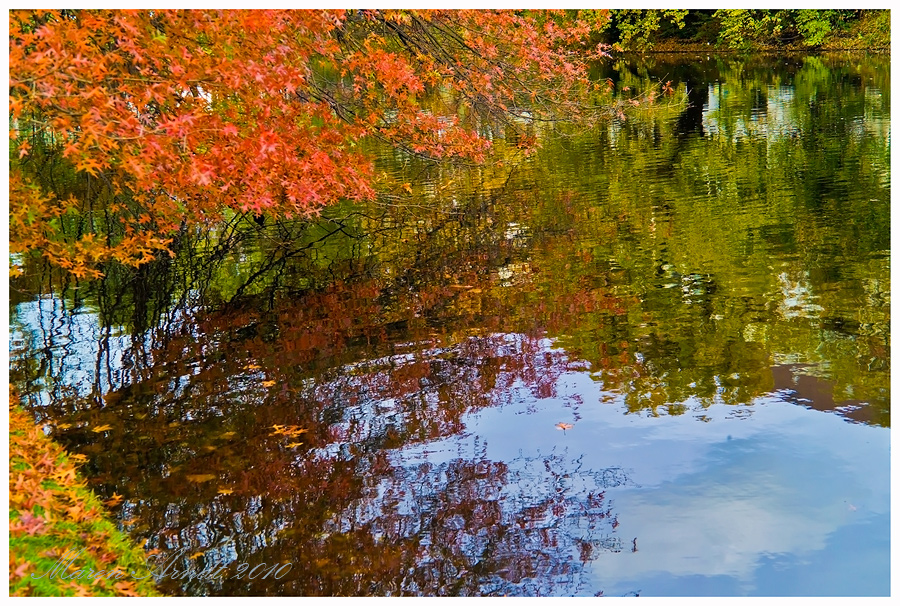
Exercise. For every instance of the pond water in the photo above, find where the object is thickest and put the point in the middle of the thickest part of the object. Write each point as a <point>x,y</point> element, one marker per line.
<point>651,359</point>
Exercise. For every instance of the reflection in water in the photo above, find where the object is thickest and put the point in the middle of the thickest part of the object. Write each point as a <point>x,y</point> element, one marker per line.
<point>376,398</point>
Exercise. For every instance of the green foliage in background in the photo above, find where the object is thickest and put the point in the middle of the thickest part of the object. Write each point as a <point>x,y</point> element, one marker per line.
<point>742,29</point>
<point>637,28</point>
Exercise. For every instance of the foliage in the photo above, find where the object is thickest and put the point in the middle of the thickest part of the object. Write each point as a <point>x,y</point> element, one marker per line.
<point>637,28</point>
<point>168,118</point>
<point>744,29</point>
<point>741,27</point>
<point>53,514</point>
<point>814,25</point>
<point>872,30</point>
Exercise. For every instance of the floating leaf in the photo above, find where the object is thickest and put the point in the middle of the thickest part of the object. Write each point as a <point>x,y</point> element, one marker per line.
<point>101,428</point>
<point>201,477</point>
<point>564,426</point>
<point>114,500</point>
<point>288,430</point>
<point>268,383</point>
<point>225,491</point>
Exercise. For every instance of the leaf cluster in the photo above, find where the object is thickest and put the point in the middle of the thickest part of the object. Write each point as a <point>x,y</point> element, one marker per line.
<point>128,128</point>
<point>52,515</point>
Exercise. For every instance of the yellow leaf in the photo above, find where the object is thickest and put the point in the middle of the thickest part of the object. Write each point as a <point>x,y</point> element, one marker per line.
<point>75,512</point>
<point>295,444</point>
<point>564,426</point>
<point>64,476</point>
<point>201,477</point>
<point>225,491</point>
<point>114,500</point>
<point>268,383</point>
<point>196,555</point>
<point>288,430</point>
<point>89,165</point>
<point>101,428</point>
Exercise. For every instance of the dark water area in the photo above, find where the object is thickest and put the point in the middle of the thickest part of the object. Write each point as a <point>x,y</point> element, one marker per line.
<point>651,359</point>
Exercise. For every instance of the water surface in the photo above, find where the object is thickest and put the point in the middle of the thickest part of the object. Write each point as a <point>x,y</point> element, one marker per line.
<point>652,359</point>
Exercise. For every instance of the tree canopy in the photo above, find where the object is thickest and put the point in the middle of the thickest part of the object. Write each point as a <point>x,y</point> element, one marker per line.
<point>128,127</point>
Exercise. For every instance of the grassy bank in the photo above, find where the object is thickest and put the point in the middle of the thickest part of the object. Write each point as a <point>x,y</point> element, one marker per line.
<point>61,541</point>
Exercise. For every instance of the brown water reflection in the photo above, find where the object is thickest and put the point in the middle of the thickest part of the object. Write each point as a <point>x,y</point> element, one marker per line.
<point>277,468</point>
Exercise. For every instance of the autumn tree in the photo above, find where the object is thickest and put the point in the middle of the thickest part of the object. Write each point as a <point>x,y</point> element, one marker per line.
<point>128,127</point>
